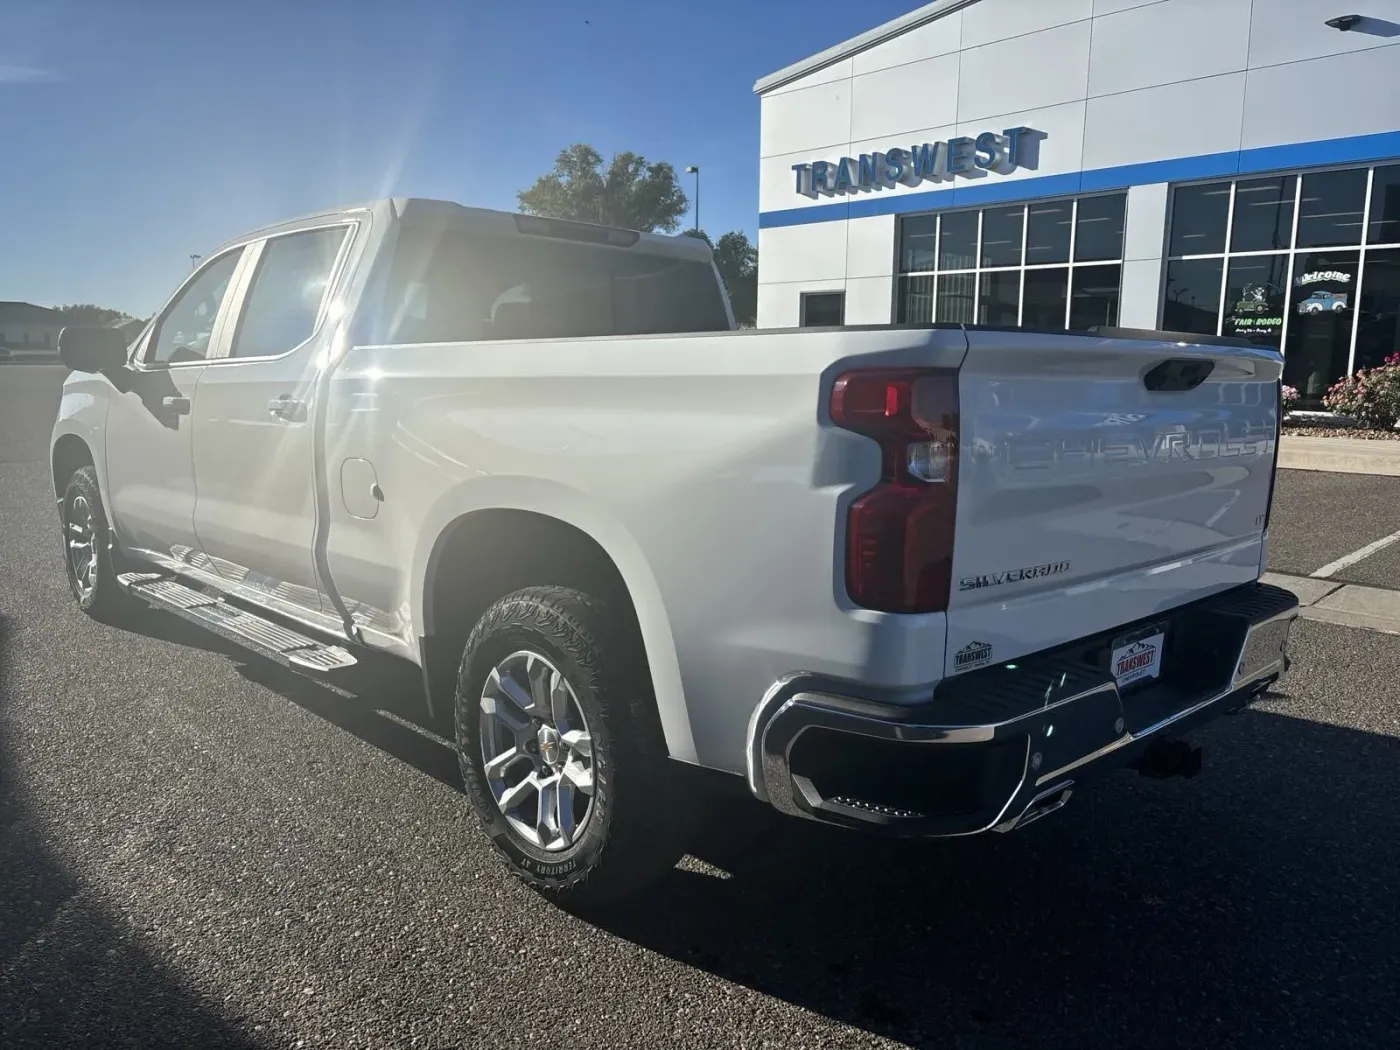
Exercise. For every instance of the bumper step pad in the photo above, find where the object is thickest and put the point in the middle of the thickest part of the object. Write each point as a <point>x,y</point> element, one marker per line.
<point>237,624</point>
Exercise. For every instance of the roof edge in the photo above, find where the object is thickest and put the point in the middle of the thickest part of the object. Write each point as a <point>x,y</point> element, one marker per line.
<point>864,42</point>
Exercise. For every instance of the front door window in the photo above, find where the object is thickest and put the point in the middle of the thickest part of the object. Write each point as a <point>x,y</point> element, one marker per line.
<point>184,333</point>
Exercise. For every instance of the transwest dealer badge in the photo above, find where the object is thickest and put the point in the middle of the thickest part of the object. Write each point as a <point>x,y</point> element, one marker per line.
<point>973,654</point>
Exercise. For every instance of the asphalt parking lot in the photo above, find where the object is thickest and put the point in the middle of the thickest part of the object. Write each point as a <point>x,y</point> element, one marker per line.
<point>199,849</point>
<point>1321,518</point>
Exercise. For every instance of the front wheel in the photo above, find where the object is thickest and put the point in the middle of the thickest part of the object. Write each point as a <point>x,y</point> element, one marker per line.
<point>561,748</point>
<point>87,550</point>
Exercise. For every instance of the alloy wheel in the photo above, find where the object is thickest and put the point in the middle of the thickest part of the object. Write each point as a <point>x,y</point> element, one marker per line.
<point>536,751</point>
<point>82,545</point>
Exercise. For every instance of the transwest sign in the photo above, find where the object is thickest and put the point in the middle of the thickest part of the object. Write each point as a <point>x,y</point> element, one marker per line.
<point>969,157</point>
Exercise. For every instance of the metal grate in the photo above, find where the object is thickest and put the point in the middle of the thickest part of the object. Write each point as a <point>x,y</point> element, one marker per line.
<point>874,807</point>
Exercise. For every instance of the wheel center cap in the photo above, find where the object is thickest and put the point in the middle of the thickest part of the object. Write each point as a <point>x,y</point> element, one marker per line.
<point>550,744</point>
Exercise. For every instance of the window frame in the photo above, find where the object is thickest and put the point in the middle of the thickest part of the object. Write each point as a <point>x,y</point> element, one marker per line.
<point>144,344</point>
<point>1069,265</point>
<point>839,293</point>
<point>241,293</point>
<point>1290,253</point>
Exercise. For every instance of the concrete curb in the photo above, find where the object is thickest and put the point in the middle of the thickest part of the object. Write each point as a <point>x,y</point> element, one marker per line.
<point>1346,604</point>
<point>1340,455</point>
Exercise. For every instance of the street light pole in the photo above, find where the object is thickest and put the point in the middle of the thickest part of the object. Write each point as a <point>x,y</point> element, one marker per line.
<point>694,169</point>
<point>194,261</point>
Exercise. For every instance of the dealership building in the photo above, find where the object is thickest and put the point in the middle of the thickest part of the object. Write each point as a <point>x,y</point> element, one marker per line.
<point>1214,166</point>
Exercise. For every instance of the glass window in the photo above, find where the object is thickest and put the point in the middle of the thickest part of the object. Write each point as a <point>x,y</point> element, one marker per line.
<point>1093,298</point>
<point>1256,292</point>
<point>1047,232</point>
<point>1263,214</point>
<point>1098,232</point>
<point>917,237</point>
<point>916,300</point>
<point>973,245</point>
<point>823,309</point>
<point>448,287</point>
<point>184,332</point>
<point>284,299</point>
<point>1378,330</point>
<point>957,298</point>
<point>1191,300</point>
<point>1330,208</point>
<point>1046,292</point>
<point>1321,298</point>
<point>958,248</point>
<point>1199,214</point>
<point>1000,298</point>
<point>1001,236</point>
<point>1385,206</point>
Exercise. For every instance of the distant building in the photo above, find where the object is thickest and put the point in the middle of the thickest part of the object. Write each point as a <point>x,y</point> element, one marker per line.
<point>130,327</point>
<point>24,326</point>
<point>1222,168</point>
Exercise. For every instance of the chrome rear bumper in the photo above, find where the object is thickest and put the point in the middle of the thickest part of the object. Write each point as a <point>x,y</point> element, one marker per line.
<point>1000,747</point>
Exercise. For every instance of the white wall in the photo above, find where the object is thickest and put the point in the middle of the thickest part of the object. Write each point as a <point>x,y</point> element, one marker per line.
<point>1111,82</point>
<point>1144,229</point>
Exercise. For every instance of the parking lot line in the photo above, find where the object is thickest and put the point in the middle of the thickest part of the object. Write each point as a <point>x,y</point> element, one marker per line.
<point>1355,556</point>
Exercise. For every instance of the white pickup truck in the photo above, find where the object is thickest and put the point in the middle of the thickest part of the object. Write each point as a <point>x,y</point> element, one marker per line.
<point>922,579</point>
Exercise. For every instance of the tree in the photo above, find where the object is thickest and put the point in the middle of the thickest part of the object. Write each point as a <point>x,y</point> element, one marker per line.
<point>632,193</point>
<point>736,259</point>
<point>90,314</point>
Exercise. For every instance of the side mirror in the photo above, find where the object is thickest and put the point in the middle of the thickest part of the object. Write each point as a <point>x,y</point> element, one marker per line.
<point>86,349</point>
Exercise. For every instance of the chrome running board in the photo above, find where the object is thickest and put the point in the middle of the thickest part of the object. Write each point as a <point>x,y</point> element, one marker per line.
<point>235,623</point>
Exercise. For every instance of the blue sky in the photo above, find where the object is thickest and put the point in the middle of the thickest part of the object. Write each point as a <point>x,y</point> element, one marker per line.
<point>136,132</point>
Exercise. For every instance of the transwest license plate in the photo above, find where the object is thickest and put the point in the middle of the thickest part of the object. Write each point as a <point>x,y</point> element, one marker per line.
<point>1138,658</point>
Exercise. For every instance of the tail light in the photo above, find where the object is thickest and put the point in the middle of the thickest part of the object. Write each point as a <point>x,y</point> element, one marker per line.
<point>899,535</point>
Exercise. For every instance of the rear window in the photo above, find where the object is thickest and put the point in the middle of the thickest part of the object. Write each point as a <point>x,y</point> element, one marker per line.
<point>448,287</point>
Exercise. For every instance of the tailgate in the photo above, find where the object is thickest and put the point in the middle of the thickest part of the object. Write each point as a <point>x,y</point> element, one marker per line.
<point>1101,481</point>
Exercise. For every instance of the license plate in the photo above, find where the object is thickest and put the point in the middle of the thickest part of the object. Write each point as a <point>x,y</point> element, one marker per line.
<point>1138,659</point>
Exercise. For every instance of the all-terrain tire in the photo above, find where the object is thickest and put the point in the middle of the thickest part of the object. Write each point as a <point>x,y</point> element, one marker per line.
<point>94,585</point>
<point>638,823</point>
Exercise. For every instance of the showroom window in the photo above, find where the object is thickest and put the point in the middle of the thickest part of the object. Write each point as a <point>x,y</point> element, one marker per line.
<point>1309,263</point>
<point>822,310</point>
<point>1048,264</point>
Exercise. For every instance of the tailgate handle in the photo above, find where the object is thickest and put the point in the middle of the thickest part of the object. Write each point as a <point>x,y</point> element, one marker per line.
<point>1177,373</point>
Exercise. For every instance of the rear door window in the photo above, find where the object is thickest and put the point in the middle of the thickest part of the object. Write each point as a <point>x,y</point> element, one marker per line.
<point>285,297</point>
<point>448,287</point>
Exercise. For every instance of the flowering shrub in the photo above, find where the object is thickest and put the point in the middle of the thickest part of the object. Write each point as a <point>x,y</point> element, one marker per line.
<point>1370,396</point>
<point>1290,398</point>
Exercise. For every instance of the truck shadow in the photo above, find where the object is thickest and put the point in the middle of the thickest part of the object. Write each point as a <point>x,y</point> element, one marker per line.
<point>380,700</point>
<point>1153,909</point>
<point>72,972</point>
<point>1162,911</point>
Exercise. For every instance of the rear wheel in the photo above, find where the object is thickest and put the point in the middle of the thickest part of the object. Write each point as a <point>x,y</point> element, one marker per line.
<point>561,748</point>
<point>87,550</point>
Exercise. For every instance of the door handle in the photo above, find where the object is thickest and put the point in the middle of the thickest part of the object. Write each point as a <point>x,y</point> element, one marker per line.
<point>1176,374</point>
<point>287,407</point>
<point>180,406</point>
